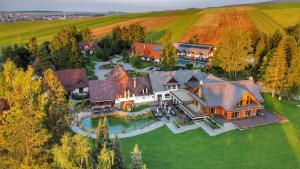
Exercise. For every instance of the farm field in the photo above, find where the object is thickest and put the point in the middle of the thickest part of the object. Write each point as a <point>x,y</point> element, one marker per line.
<point>274,146</point>
<point>207,25</point>
<point>210,27</point>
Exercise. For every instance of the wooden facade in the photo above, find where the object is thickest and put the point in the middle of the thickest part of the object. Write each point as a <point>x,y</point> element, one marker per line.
<point>247,106</point>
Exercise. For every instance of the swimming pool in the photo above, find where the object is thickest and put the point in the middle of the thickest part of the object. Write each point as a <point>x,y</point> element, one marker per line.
<point>183,62</point>
<point>118,125</point>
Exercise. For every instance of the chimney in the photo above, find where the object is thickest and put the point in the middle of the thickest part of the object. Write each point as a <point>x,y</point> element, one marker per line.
<point>134,82</point>
<point>200,93</point>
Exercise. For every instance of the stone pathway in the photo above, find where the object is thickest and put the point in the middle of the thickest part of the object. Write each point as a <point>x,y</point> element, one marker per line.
<point>147,129</point>
<point>100,73</point>
<point>205,127</point>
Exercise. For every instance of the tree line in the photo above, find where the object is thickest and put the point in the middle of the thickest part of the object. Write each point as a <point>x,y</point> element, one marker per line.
<point>273,59</point>
<point>34,127</point>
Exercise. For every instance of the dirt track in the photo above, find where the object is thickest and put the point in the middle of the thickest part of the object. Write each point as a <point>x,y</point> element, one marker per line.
<point>148,23</point>
<point>210,27</point>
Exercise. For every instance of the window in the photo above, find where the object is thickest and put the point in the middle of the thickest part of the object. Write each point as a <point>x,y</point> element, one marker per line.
<point>235,115</point>
<point>81,90</point>
<point>167,96</point>
<point>249,112</point>
<point>240,103</point>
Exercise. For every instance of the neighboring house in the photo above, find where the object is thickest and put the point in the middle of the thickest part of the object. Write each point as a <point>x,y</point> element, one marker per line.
<point>120,90</point>
<point>194,51</point>
<point>163,82</point>
<point>87,46</point>
<point>147,51</point>
<point>74,80</point>
<point>214,96</point>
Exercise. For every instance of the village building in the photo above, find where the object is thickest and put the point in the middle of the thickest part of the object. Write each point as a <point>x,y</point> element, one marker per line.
<point>149,52</point>
<point>74,80</point>
<point>213,96</point>
<point>85,46</point>
<point>119,90</point>
<point>194,51</point>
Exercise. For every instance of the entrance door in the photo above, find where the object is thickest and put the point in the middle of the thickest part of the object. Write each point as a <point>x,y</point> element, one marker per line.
<point>159,97</point>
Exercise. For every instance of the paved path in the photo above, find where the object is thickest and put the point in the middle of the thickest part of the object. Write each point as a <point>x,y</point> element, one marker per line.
<point>147,129</point>
<point>100,73</point>
<point>205,127</point>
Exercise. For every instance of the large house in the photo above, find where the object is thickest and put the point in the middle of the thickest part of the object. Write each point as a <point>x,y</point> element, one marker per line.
<point>163,82</point>
<point>147,51</point>
<point>74,80</point>
<point>194,51</point>
<point>214,96</point>
<point>119,90</point>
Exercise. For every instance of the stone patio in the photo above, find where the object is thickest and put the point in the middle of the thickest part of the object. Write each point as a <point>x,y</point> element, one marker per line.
<point>268,118</point>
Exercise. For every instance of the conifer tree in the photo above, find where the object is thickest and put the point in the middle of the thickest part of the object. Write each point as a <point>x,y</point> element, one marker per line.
<point>118,160</point>
<point>102,135</point>
<point>136,159</point>
<point>276,71</point>
<point>106,158</point>
<point>57,106</point>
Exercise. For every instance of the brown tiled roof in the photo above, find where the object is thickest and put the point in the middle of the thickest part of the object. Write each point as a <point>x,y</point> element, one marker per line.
<point>90,45</point>
<point>116,83</point>
<point>72,78</point>
<point>147,50</point>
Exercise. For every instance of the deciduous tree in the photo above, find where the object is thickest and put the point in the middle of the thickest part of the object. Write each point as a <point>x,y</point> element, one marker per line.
<point>73,153</point>
<point>22,136</point>
<point>235,51</point>
<point>169,52</point>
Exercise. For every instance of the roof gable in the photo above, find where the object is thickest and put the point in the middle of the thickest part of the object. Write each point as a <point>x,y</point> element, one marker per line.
<point>72,78</point>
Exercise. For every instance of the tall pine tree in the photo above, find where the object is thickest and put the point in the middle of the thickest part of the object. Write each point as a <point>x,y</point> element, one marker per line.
<point>276,71</point>
<point>136,159</point>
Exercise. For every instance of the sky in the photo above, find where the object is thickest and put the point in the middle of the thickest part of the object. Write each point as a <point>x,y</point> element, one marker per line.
<point>112,5</point>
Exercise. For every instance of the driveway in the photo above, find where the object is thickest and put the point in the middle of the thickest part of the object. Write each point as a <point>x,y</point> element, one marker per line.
<point>100,73</point>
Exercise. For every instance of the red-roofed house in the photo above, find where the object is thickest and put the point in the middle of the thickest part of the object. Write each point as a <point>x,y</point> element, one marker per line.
<point>119,90</point>
<point>147,51</point>
<point>74,80</point>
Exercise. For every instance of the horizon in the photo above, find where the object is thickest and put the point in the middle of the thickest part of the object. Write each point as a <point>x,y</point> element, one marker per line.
<point>102,6</point>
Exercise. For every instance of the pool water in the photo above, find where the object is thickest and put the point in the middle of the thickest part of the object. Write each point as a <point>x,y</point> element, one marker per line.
<point>183,62</point>
<point>118,125</point>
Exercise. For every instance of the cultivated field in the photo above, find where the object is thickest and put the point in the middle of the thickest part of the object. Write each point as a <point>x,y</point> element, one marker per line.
<point>211,26</point>
<point>148,23</point>
<point>206,24</point>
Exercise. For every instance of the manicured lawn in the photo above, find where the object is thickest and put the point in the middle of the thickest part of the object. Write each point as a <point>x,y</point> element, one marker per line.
<point>275,146</point>
<point>140,108</point>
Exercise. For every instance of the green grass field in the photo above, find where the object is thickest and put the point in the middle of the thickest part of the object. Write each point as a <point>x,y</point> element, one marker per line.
<point>275,146</point>
<point>270,17</point>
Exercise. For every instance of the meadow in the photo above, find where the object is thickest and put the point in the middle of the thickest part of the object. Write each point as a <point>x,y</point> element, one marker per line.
<point>205,24</point>
<point>273,146</point>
